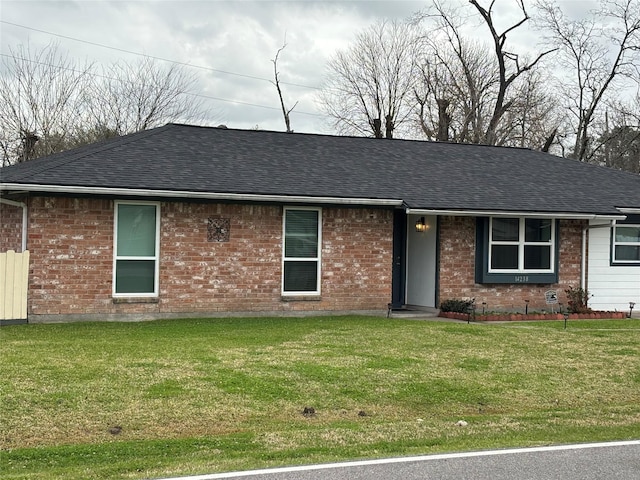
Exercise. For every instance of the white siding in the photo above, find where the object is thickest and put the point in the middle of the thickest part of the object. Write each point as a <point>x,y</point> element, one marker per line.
<point>610,287</point>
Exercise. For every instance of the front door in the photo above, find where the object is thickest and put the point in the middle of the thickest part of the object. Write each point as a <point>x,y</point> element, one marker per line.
<point>399,258</point>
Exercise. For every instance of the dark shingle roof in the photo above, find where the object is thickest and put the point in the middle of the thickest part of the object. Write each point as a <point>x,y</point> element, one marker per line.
<point>425,175</point>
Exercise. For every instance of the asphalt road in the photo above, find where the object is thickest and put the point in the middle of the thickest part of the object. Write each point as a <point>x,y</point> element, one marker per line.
<point>596,461</point>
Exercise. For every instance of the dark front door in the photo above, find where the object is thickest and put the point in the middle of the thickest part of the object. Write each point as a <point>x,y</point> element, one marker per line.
<point>399,258</point>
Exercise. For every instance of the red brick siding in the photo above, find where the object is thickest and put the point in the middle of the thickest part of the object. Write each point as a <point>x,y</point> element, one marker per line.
<point>71,241</point>
<point>10,228</point>
<point>570,253</point>
<point>457,268</point>
<point>71,245</point>
<point>357,258</point>
<point>242,274</point>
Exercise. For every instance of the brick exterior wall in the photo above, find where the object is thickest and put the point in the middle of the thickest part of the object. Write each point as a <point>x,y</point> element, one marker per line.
<point>71,244</point>
<point>11,231</point>
<point>457,268</point>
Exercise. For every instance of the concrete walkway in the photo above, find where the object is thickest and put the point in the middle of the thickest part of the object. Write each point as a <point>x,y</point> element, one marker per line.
<point>415,312</point>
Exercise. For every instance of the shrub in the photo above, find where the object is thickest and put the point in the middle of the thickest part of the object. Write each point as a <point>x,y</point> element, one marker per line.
<point>577,299</point>
<point>457,305</point>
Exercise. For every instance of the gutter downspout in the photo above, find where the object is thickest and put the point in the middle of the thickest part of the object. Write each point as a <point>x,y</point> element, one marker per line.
<point>24,218</point>
<point>583,260</point>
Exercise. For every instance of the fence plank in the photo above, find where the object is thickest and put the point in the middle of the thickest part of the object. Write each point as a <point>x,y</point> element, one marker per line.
<point>10,275</point>
<point>3,285</point>
<point>25,284</point>
<point>10,279</point>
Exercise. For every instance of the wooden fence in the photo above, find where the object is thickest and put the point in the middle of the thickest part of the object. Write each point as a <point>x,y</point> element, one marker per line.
<point>14,283</point>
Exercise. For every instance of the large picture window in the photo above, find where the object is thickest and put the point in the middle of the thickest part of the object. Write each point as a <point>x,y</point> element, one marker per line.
<point>521,245</point>
<point>136,238</point>
<point>626,241</point>
<point>301,251</point>
<point>516,250</point>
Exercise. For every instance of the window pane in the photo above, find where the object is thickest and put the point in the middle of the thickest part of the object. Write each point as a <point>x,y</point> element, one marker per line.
<point>504,257</point>
<point>136,230</point>
<point>537,230</point>
<point>537,257</point>
<point>627,253</point>
<point>301,247</point>
<point>300,276</point>
<point>135,276</point>
<point>627,234</point>
<point>505,229</point>
<point>301,234</point>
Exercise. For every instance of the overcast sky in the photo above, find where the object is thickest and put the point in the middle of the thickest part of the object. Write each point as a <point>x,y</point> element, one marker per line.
<point>234,40</point>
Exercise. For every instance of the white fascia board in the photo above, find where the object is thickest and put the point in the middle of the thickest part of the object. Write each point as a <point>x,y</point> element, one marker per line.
<point>630,211</point>
<point>490,213</point>
<point>247,197</point>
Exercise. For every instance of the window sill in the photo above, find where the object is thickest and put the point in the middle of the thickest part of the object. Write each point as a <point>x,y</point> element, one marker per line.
<point>122,300</point>
<point>301,298</point>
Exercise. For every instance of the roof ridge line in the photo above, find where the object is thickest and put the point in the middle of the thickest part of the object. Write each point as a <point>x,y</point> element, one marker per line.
<point>356,137</point>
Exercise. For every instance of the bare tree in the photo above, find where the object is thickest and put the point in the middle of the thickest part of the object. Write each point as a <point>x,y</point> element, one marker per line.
<point>618,145</point>
<point>49,103</point>
<point>509,65</point>
<point>40,101</point>
<point>285,112</point>
<point>478,89</point>
<point>533,119</point>
<point>454,91</point>
<point>620,149</point>
<point>128,97</point>
<point>368,90</point>
<point>600,54</point>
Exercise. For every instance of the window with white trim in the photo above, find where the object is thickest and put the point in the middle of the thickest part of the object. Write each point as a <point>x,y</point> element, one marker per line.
<point>524,245</point>
<point>136,249</point>
<point>626,243</point>
<point>301,251</point>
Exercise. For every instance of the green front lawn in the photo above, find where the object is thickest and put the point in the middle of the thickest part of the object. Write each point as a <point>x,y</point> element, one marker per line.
<point>184,397</point>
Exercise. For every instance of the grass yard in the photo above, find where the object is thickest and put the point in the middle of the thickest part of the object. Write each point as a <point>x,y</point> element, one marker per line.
<point>185,397</point>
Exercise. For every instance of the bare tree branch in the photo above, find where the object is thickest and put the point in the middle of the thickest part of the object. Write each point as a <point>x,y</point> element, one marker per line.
<point>285,112</point>
<point>601,52</point>
<point>499,40</point>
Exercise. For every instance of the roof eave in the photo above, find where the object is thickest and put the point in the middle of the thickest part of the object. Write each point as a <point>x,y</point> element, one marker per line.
<point>246,197</point>
<point>502,213</point>
<point>630,211</point>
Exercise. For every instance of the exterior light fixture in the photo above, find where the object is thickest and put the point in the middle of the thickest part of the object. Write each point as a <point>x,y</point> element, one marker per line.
<point>421,226</point>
